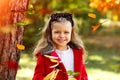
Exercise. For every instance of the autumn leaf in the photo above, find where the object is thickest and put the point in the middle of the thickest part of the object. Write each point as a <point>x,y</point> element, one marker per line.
<point>53,60</point>
<point>27,21</point>
<point>51,57</point>
<point>72,79</point>
<point>24,22</point>
<point>20,23</point>
<point>92,15</point>
<point>31,9</point>
<point>76,73</point>
<point>54,66</point>
<point>45,11</point>
<point>12,65</point>
<point>20,47</point>
<point>69,72</point>
<point>30,12</point>
<point>95,27</point>
<point>30,6</point>
<point>52,75</point>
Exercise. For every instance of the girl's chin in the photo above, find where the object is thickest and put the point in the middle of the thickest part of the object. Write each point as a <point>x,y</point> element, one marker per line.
<point>62,47</point>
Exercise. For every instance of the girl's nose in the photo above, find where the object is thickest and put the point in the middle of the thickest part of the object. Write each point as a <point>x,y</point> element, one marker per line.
<point>62,35</point>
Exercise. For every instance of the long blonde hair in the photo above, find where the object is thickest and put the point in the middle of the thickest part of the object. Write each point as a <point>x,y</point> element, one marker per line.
<point>45,44</point>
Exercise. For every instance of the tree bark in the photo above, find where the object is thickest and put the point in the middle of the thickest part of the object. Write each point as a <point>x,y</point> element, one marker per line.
<point>8,41</point>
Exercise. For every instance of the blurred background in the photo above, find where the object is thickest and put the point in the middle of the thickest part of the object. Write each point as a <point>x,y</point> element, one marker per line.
<point>98,23</point>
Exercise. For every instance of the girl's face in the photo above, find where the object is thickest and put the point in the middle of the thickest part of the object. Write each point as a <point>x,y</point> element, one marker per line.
<point>61,34</point>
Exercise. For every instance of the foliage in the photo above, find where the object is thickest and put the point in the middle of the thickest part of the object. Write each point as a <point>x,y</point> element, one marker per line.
<point>107,5</point>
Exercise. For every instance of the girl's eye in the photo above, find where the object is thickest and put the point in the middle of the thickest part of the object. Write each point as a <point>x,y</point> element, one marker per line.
<point>56,32</point>
<point>66,32</point>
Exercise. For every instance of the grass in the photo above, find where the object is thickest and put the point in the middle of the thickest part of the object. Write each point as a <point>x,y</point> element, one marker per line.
<point>103,63</point>
<point>27,64</point>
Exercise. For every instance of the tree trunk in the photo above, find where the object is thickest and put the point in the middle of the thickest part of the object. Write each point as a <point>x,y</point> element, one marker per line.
<point>12,12</point>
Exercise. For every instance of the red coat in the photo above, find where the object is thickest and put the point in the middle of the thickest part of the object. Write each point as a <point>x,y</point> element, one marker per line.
<point>43,67</point>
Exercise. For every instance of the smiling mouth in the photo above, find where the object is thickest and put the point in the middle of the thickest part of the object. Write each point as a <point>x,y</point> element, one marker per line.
<point>61,41</point>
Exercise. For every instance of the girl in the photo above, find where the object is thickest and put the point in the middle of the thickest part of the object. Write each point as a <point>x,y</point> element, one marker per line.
<point>60,52</point>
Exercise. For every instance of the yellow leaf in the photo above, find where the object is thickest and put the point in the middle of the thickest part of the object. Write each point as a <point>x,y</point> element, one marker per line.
<point>20,47</point>
<point>55,65</point>
<point>27,21</point>
<point>49,75</point>
<point>51,57</point>
<point>92,15</point>
<point>53,60</point>
<point>72,79</point>
<point>52,75</point>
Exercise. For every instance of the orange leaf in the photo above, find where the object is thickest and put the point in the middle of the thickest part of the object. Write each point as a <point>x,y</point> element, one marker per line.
<point>92,15</point>
<point>45,11</point>
<point>95,27</point>
<point>20,47</point>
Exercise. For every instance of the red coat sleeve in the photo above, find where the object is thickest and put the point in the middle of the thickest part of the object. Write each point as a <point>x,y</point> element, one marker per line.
<point>79,65</point>
<point>83,73</point>
<point>39,69</point>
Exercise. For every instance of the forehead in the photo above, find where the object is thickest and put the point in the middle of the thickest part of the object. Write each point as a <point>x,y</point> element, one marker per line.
<point>66,25</point>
